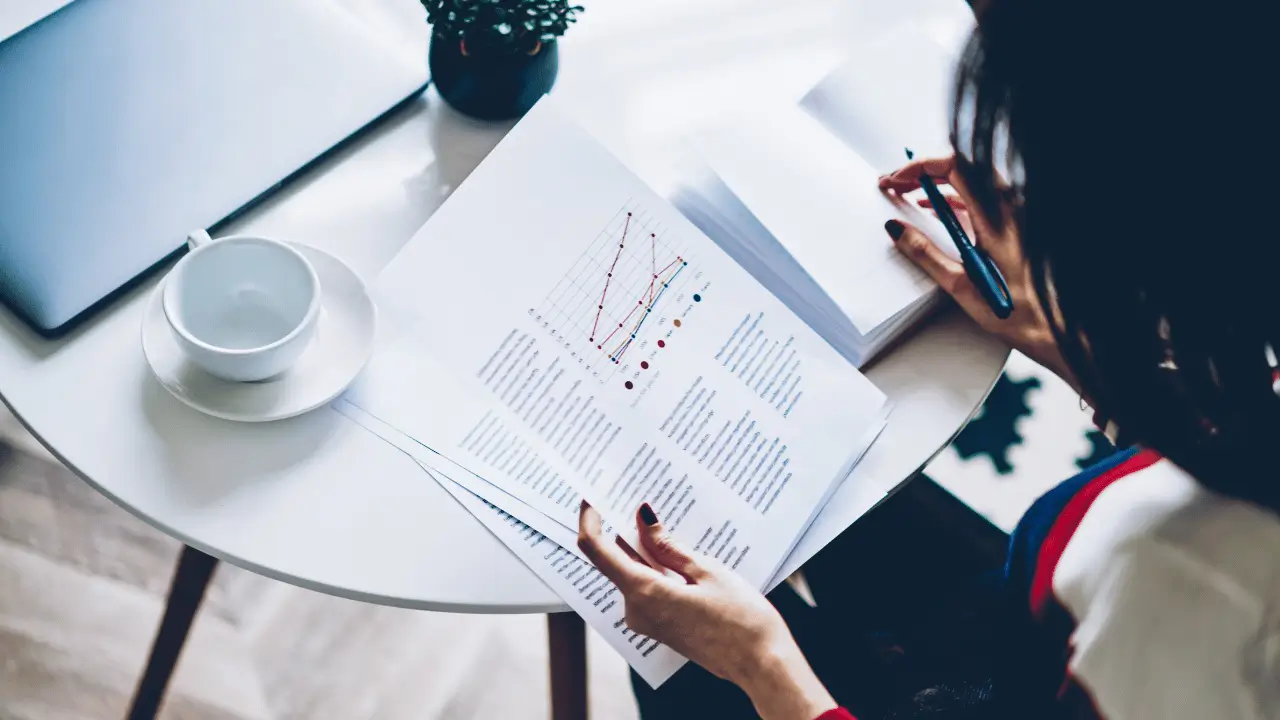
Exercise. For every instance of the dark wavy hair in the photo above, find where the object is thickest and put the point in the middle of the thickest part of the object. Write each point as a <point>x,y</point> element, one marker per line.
<point>1107,133</point>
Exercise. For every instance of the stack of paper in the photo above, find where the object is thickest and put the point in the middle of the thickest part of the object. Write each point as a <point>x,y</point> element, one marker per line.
<point>557,331</point>
<point>791,193</point>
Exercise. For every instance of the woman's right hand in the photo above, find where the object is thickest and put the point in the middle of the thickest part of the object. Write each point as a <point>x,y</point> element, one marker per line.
<point>1027,329</point>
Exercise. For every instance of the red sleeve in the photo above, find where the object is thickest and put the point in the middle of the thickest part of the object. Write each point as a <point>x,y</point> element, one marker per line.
<point>836,714</point>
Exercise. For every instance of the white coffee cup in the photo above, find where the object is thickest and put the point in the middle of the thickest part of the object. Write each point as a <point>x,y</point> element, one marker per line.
<point>243,308</point>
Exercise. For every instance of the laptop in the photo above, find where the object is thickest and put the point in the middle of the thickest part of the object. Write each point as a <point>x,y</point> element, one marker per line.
<point>125,124</point>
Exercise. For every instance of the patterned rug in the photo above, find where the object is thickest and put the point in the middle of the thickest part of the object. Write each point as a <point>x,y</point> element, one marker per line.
<point>1031,434</point>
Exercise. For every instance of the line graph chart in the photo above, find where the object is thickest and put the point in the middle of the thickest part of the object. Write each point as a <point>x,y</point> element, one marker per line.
<point>610,302</point>
<point>643,308</point>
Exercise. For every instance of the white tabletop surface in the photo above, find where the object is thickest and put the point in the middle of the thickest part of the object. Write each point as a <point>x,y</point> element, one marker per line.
<point>319,502</point>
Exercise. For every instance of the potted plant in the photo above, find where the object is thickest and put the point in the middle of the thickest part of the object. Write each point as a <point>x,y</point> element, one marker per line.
<point>493,59</point>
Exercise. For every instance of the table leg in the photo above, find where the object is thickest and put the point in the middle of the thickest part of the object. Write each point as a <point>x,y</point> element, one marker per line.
<point>190,581</point>
<point>567,638</point>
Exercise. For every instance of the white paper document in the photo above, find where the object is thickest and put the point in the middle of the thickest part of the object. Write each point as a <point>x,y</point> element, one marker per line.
<point>580,585</point>
<point>411,399</point>
<point>606,343</point>
<point>442,468</point>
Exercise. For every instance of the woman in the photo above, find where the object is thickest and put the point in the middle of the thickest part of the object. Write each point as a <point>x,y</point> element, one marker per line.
<point>1093,160</point>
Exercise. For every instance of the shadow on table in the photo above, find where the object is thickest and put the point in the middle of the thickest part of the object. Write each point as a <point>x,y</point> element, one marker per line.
<point>213,458</point>
<point>458,144</point>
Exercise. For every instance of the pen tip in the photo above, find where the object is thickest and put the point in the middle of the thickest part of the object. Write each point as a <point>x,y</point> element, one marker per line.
<point>910,154</point>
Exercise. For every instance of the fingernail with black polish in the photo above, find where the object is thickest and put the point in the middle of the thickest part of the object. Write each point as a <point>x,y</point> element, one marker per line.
<point>647,515</point>
<point>895,229</point>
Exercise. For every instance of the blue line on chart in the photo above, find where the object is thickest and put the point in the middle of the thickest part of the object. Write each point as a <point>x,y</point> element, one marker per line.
<point>657,297</point>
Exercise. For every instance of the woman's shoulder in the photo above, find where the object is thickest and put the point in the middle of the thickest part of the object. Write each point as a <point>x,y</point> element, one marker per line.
<point>1157,515</point>
<point>1175,595</point>
<point>1137,507</point>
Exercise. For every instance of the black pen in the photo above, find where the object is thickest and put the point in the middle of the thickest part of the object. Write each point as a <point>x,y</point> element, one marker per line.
<point>977,264</point>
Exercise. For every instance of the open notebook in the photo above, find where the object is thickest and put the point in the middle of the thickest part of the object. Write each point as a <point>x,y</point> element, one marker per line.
<point>790,193</point>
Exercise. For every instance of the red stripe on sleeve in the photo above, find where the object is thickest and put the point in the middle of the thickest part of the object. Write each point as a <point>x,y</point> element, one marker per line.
<point>1065,526</point>
<point>836,714</point>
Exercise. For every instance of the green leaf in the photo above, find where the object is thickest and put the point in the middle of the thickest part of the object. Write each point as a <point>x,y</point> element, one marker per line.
<point>500,25</point>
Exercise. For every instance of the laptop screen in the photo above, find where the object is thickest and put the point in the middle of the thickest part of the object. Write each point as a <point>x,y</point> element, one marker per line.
<point>128,123</point>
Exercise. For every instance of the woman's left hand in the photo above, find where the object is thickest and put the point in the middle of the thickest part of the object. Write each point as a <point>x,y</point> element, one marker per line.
<point>710,615</point>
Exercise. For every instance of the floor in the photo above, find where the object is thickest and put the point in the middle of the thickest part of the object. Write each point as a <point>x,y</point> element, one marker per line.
<point>82,587</point>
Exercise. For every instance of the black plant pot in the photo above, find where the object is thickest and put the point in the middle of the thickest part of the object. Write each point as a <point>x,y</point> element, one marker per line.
<point>492,86</point>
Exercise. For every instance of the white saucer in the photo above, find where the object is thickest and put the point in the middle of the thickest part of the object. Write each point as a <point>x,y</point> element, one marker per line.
<point>342,345</point>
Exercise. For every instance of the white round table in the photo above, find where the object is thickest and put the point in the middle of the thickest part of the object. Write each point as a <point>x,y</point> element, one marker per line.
<point>317,501</point>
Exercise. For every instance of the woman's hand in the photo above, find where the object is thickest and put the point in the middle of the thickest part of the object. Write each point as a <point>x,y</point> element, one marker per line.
<point>1027,329</point>
<point>710,615</point>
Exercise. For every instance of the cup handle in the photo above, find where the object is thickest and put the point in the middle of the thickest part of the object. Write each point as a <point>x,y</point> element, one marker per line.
<point>198,238</point>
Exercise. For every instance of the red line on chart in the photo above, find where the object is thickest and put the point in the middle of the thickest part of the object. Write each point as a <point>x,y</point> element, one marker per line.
<point>648,298</point>
<point>653,300</point>
<point>623,241</point>
<point>653,255</point>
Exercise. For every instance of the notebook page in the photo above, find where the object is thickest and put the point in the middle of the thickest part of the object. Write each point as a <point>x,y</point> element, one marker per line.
<point>892,93</point>
<point>820,200</point>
